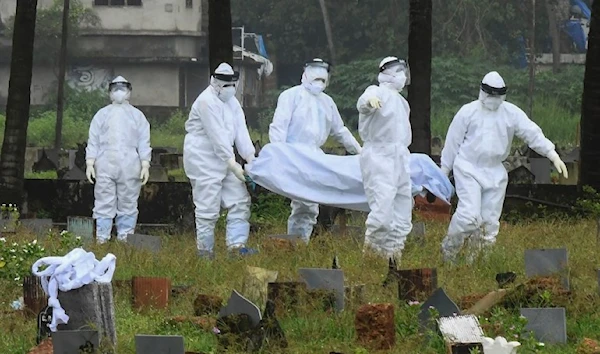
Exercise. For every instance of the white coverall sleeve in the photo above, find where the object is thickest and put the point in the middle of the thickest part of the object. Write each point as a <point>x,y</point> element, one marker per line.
<point>143,148</point>
<point>278,129</point>
<point>93,143</point>
<point>210,116</point>
<point>362,105</point>
<point>532,134</point>
<point>454,139</point>
<point>341,133</point>
<point>243,142</point>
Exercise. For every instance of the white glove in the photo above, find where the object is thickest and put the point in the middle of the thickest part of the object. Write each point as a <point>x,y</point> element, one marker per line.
<point>375,102</point>
<point>90,172</point>
<point>446,171</point>
<point>558,164</point>
<point>145,172</point>
<point>250,158</point>
<point>237,169</point>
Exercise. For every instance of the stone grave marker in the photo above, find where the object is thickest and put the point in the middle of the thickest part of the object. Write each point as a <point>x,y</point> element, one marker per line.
<point>40,227</point>
<point>145,242</point>
<point>43,321</point>
<point>540,167</point>
<point>74,174</point>
<point>150,344</point>
<point>442,303</point>
<point>547,262</point>
<point>90,307</point>
<point>418,233</point>
<point>237,304</point>
<point>549,325</point>
<point>75,342</point>
<point>326,279</point>
<point>462,334</point>
<point>157,173</point>
<point>82,226</point>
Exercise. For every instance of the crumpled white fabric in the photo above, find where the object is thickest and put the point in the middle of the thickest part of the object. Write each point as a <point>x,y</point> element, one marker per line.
<point>72,271</point>
<point>302,173</point>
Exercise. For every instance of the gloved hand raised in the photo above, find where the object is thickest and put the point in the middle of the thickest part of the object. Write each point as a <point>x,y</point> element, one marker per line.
<point>558,164</point>
<point>237,169</point>
<point>90,172</point>
<point>145,172</point>
<point>375,102</point>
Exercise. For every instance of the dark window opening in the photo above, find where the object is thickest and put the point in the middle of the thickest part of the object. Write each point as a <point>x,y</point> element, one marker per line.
<point>189,4</point>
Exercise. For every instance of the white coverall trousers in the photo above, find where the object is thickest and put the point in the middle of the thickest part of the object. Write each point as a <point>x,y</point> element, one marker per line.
<point>385,171</point>
<point>481,191</point>
<point>116,192</point>
<point>213,187</point>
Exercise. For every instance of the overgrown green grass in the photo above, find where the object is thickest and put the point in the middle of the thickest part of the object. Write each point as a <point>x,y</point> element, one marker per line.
<point>319,332</point>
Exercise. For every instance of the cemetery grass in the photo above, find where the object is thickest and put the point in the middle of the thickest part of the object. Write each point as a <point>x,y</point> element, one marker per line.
<point>318,331</point>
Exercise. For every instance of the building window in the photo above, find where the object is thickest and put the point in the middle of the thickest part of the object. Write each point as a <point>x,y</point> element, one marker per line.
<point>189,4</point>
<point>117,2</point>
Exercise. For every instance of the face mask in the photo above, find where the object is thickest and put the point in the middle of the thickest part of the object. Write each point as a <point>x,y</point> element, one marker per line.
<point>399,81</point>
<point>226,93</point>
<point>119,96</point>
<point>316,87</point>
<point>492,103</point>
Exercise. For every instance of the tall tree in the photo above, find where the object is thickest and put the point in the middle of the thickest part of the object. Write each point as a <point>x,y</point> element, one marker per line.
<point>419,60</point>
<point>590,107</point>
<point>12,157</point>
<point>220,37</point>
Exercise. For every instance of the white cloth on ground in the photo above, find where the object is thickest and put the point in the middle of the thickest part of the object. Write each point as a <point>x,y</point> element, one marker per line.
<point>71,271</point>
<point>301,173</point>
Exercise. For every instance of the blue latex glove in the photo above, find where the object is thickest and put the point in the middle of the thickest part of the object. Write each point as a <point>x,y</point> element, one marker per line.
<point>251,183</point>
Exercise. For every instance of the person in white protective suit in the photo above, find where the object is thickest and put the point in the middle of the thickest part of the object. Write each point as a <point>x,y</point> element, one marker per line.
<point>478,141</point>
<point>118,157</point>
<point>217,122</point>
<point>308,116</point>
<point>384,127</point>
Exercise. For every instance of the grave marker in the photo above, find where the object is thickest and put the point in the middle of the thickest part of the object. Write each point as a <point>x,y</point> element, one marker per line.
<point>34,297</point>
<point>40,227</point>
<point>150,344</point>
<point>145,242</point>
<point>74,174</point>
<point>418,233</point>
<point>547,262</point>
<point>549,325</point>
<point>442,303</point>
<point>75,342</point>
<point>326,279</point>
<point>237,304</point>
<point>150,292</point>
<point>82,226</point>
<point>462,334</point>
<point>540,167</point>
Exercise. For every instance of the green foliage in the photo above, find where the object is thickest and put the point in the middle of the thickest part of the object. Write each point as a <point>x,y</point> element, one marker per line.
<point>590,202</point>
<point>16,259</point>
<point>511,326</point>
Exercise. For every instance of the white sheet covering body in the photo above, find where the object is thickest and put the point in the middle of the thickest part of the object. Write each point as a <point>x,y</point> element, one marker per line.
<point>297,172</point>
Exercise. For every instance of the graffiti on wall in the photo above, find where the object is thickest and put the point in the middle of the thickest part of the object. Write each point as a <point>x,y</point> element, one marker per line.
<point>89,78</point>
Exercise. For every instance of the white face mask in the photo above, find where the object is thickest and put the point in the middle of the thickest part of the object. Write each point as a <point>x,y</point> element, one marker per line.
<point>491,103</point>
<point>316,87</point>
<point>399,80</point>
<point>226,93</point>
<point>119,96</point>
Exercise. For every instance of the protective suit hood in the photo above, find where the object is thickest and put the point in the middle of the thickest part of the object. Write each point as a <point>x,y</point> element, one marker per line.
<point>492,92</point>
<point>315,79</point>
<point>224,81</point>
<point>119,90</point>
<point>393,73</point>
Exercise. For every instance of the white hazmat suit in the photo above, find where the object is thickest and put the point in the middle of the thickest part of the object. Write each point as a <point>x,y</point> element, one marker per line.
<point>118,156</point>
<point>217,122</point>
<point>308,116</point>
<point>384,127</point>
<point>478,141</point>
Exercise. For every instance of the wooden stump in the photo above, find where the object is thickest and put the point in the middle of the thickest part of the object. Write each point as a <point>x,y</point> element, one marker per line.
<point>416,284</point>
<point>375,326</point>
<point>34,297</point>
<point>150,292</point>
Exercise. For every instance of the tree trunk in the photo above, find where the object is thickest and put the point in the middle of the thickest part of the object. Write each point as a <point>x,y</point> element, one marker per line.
<point>220,41</point>
<point>553,21</point>
<point>62,63</point>
<point>328,32</point>
<point>590,107</point>
<point>12,157</point>
<point>419,60</point>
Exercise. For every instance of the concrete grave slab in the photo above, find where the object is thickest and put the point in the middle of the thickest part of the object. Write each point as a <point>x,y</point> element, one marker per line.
<point>82,226</point>
<point>151,344</point>
<point>40,227</point>
<point>237,304</point>
<point>75,342</point>
<point>418,233</point>
<point>549,325</point>
<point>442,303</point>
<point>547,262</point>
<point>145,242</point>
<point>326,279</point>
<point>541,167</point>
